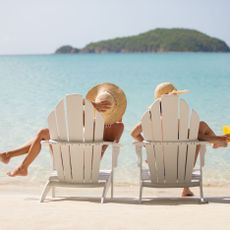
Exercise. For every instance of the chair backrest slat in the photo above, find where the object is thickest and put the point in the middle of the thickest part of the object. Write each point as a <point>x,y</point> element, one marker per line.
<point>98,136</point>
<point>193,134</point>
<point>88,150</point>
<point>62,133</point>
<point>157,136</point>
<point>52,125</point>
<point>169,107</point>
<point>74,117</point>
<point>148,135</point>
<point>183,135</point>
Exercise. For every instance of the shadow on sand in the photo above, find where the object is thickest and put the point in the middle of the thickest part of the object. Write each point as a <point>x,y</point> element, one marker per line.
<point>145,201</point>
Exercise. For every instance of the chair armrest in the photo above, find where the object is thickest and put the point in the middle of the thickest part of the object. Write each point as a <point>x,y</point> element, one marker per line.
<point>45,143</point>
<point>139,146</point>
<point>195,142</point>
<point>54,142</point>
<point>115,147</point>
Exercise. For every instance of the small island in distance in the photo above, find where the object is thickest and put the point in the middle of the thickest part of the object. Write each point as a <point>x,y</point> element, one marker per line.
<point>158,40</point>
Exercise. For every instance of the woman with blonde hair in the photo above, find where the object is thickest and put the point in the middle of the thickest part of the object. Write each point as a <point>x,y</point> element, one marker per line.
<point>205,132</point>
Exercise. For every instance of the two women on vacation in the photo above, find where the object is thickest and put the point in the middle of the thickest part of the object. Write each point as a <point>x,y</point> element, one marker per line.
<point>110,100</point>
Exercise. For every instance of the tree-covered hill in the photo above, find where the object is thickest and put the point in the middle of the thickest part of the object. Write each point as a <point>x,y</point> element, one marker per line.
<point>160,40</point>
<point>67,49</point>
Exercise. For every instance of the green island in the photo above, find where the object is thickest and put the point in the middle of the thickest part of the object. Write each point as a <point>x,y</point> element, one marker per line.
<point>158,40</point>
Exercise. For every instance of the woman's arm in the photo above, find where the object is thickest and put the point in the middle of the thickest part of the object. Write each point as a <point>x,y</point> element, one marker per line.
<point>136,132</point>
<point>207,134</point>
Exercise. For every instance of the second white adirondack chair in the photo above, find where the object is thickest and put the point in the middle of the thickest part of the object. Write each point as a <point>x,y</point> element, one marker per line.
<point>170,139</point>
<point>76,132</point>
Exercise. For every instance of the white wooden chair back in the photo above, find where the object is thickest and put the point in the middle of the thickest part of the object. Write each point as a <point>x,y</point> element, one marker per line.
<point>169,120</point>
<point>75,120</point>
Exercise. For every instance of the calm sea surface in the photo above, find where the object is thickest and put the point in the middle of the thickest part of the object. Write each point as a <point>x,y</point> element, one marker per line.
<point>32,85</point>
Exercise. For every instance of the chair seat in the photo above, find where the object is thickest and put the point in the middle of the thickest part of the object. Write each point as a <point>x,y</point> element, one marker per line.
<point>103,176</point>
<point>195,181</point>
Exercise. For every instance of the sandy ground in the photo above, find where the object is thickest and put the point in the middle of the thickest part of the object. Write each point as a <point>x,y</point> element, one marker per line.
<point>20,209</point>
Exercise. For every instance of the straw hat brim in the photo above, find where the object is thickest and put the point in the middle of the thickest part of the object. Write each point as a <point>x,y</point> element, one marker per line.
<point>120,103</point>
<point>167,88</point>
<point>182,91</point>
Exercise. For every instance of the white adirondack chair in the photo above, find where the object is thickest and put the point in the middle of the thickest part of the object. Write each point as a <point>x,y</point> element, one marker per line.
<point>170,139</point>
<point>76,132</point>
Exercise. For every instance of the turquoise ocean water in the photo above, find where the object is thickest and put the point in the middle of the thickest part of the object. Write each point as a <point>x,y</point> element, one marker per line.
<point>32,85</point>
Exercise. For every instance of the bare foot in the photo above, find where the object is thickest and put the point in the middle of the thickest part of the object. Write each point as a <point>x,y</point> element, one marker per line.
<point>20,171</point>
<point>187,192</point>
<point>4,158</point>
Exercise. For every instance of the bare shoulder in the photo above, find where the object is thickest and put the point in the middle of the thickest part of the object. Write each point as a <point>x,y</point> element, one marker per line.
<point>205,129</point>
<point>203,126</point>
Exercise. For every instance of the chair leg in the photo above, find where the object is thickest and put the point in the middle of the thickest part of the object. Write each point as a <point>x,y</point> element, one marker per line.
<point>111,186</point>
<point>45,191</point>
<point>140,193</point>
<point>105,190</point>
<point>202,199</point>
<point>53,192</point>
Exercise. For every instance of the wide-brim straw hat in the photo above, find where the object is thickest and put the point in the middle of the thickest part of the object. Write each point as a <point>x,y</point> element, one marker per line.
<point>115,113</point>
<point>166,88</point>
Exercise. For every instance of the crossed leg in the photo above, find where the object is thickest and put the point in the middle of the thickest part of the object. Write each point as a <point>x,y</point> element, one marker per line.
<point>6,156</point>
<point>32,149</point>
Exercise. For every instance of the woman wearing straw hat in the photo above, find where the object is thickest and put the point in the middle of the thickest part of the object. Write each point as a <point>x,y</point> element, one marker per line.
<point>115,100</point>
<point>205,132</point>
<point>106,98</point>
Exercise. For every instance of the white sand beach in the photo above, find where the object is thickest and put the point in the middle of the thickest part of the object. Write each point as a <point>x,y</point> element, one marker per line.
<point>20,209</point>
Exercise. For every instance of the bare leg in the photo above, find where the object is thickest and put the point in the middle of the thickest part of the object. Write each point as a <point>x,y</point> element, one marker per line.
<point>202,129</point>
<point>34,150</point>
<point>187,192</point>
<point>6,156</point>
<point>206,134</point>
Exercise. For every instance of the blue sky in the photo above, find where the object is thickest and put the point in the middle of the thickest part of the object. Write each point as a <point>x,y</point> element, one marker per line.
<point>41,26</point>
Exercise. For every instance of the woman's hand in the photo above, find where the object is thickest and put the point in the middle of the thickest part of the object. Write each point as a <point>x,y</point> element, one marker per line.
<point>221,141</point>
<point>102,106</point>
<point>227,137</point>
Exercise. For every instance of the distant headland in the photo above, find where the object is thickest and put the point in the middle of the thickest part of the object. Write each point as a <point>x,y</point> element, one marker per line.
<point>158,40</point>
